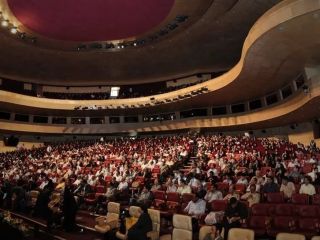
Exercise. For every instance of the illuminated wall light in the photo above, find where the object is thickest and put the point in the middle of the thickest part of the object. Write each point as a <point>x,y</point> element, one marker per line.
<point>14,30</point>
<point>4,23</point>
<point>135,44</point>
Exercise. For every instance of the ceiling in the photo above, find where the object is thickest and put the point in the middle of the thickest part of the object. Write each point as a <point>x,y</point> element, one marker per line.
<point>94,20</point>
<point>210,41</point>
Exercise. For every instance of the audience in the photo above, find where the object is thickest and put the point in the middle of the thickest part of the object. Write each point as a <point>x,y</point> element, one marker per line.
<point>79,168</point>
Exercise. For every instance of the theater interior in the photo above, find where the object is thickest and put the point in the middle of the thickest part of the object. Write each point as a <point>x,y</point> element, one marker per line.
<point>160,119</point>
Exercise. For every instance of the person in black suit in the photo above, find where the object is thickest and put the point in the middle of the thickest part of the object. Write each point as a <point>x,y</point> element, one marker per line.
<point>235,213</point>
<point>144,224</point>
<point>69,210</point>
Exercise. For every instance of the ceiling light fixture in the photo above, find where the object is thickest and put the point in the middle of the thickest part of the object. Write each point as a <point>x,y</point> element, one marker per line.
<point>14,30</point>
<point>4,23</point>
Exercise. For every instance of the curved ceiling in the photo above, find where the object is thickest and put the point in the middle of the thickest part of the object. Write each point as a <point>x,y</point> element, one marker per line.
<point>211,43</point>
<point>94,20</point>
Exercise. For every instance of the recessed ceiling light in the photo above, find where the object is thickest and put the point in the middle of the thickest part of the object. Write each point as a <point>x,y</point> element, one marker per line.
<point>14,30</point>
<point>4,23</point>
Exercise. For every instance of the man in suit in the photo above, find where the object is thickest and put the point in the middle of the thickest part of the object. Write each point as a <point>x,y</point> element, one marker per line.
<point>234,214</point>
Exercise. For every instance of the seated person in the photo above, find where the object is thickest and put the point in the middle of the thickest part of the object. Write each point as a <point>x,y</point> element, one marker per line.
<point>171,187</point>
<point>252,197</point>
<point>213,194</point>
<point>287,187</point>
<point>270,186</point>
<point>123,185</point>
<point>242,180</point>
<point>307,187</point>
<point>232,193</point>
<point>183,188</point>
<point>156,185</point>
<point>144,196</point>
<point>196,207</point>
<point>234,214</point>
<point>144,224</point>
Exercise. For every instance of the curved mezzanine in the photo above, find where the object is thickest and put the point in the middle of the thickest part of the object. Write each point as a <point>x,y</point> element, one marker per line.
<point>218,88</point>
<point>286,112</point>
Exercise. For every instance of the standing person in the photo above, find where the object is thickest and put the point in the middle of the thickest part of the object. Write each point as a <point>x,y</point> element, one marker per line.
<point>69,210</point>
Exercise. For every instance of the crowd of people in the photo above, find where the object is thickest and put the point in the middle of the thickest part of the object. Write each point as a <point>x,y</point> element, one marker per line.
<point>180,164</point>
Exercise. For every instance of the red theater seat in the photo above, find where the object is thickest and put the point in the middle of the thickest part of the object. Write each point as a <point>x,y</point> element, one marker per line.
<point>219,205</point>
<point>285,209</point>
<point>316,199</point>
<point>259,224</point>
<point>260,209</point>
<point>300,198</point>
<point>281,224</point>
<point>275,197</point>
<point>187,197</point>
<point>173,200</point>
<point>90,199</point>
<point>308,227</point>
<point>159,198</point>
<point>240,188</point>
<point>308,211</point>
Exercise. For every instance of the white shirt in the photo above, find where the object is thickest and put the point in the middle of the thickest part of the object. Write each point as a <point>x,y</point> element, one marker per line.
<point>185,189</point>
<point>242,181</point>
<point>196,208</point>
<point>307,189</point>
<point>172,188</point>
<point>216,195</point>
<point>122,185</point>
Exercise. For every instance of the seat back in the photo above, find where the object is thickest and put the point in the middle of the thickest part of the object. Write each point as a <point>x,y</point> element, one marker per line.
<point>182,227</point>
<point>260,209</point>
<point>161,195</point>
<point>316,199</point>
<point>34,194</point>
<point>315,238</point>
<point>276,197</point>
<point>308,224</point>
<point>308,211</point>
<point>240,234</point>
<point>290,236</point>
<point>187,197</point>
<point>300,198</point>
<point>155,218</point>
<point>219,205</point>
<point>205,230</point>
<point>284,209</point>
<point>134,211</point>
<point>113,210</point>
<point>173,197</point>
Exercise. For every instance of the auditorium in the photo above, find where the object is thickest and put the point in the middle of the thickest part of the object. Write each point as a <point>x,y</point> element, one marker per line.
<point>160,119</point>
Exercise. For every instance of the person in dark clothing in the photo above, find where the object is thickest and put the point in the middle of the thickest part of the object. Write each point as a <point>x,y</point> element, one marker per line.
<point>41,207</point>
<point>69,210</point>
<point>144,225</point>
<point>234,214</point>
<point>270,187</point>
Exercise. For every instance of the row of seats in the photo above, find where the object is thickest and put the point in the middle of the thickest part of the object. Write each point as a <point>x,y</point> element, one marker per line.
<point>182,225</point>
<point>270,219</point>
